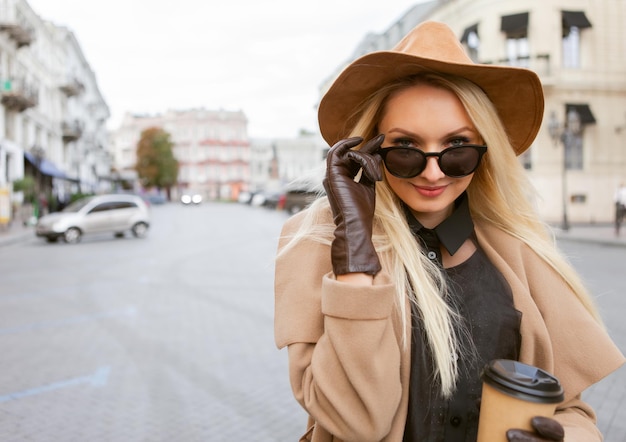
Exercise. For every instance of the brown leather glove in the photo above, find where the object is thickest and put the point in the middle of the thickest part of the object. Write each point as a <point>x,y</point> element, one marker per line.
<point>353,203</point>
<point>546,430</point>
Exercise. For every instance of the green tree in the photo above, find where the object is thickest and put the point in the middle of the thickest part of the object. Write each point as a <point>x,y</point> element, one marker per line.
<point>156,165</point>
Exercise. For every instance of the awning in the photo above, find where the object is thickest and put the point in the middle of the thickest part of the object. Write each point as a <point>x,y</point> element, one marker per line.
<point>515,25</point>
<point>584,112</point>
<point>47,167</point>
<point>576,19</point>
<point>468,31</point>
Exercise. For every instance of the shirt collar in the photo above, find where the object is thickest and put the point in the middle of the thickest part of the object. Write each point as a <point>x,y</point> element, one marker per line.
<point>451,232</point>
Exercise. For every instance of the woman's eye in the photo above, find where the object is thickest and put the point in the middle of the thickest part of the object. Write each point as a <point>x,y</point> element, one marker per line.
<point>459,141</point>
<point>402,142</point>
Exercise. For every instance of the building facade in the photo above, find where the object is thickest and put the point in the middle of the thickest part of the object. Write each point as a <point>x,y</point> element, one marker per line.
<point>277,164</point>
<point>52,115</point>
<point>578,49</point>
<point>211,146</point>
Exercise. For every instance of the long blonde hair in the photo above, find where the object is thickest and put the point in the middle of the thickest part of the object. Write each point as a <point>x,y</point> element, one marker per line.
<point>499,194</point>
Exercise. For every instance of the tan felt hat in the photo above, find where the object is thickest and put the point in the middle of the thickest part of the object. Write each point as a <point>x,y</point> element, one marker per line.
<point>432,47</point>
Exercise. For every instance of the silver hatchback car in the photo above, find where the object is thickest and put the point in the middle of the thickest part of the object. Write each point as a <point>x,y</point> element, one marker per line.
<point>96,214</point>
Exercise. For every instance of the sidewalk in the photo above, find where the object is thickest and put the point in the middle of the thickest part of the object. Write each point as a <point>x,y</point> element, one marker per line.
<point>594,233</point>
<point>15,233</point>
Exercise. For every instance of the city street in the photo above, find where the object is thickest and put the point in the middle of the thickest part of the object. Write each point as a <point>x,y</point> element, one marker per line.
<point>170,338</point>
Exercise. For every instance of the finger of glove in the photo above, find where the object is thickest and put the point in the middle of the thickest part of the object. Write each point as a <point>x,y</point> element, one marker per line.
<point>373,145</point>
<point>374,173</point>
<point>548,428</point>
<point>369,163</point>
<point>337,162</point>
<point>524,436</point>
<point>342,146</point>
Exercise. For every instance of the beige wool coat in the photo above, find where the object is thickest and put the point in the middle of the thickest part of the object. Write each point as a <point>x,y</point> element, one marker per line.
<point>350,371</point>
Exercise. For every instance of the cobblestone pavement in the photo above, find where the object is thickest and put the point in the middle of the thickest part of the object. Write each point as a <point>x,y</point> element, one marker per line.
<point>601,266</point>
<point>108,344</point>
<point>124,373</point>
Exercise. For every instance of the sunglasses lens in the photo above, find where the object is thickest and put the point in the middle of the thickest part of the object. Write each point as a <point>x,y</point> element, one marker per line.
<point>459,161</point>
<point>405,163</point>
<point>455,162</point>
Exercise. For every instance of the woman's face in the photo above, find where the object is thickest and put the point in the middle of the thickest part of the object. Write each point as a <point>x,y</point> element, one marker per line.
<point>430,119</point>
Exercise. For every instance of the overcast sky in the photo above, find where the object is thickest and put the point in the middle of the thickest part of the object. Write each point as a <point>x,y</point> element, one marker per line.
<point>267,58</point>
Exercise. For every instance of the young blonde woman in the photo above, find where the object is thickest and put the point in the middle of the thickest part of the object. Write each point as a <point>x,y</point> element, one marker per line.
<point>425,260</point>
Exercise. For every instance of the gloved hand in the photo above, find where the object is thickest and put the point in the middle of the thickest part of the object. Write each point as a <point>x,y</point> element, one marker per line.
<point>352,203</point>
<point>546,430</point>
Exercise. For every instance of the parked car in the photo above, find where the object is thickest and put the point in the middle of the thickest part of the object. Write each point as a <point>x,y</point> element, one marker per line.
<point>245,197</point>
<point>275,200</point>
<point>258,199</point>
<point>272,199</point>
<point>155,198</point>
<point>95,214</point>
<point>298,199</point>
<point>267,198</point>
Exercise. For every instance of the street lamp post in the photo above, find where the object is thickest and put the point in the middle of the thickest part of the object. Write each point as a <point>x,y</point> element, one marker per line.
<point>568,136</point>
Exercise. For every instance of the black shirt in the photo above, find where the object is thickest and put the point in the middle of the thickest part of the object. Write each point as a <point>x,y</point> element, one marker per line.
<point>484,299</point>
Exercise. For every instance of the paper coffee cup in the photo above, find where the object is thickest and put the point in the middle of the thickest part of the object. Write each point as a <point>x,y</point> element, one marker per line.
<point>514,393</point>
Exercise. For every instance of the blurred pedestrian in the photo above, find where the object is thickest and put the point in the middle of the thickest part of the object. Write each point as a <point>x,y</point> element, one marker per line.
<point>426,259</point>
<point>620,207</point>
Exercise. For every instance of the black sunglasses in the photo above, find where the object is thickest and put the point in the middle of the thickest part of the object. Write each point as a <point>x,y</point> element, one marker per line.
<point>455,161</point>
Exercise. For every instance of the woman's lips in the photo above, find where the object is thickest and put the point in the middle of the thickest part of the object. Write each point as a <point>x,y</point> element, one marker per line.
<point>430,192</point>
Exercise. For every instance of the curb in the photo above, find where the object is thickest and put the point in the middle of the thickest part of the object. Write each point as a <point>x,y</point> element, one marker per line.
<point>14,238</point>
<point>600,241</point>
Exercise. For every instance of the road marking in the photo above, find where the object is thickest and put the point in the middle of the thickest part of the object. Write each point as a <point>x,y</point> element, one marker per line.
<point>128,311</point>
<point>97,379</point>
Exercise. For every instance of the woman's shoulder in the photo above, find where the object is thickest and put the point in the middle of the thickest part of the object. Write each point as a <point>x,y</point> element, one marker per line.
<point>495,239</point>
<point>494,234</point>
<point>316,214</point>
<point>530,239</point>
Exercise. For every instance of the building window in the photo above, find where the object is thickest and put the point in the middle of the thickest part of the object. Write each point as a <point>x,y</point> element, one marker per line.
<point>515,27</point>
<point>472,42</point>
<point>578,116</point>
<point>571,49</point>
<point>573,22</point>
<point>574,152</point>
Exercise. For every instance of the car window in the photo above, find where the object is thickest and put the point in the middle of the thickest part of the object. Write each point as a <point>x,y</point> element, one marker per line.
<point>77,205</point>
<point>103,207</point>
<point>126,205</point>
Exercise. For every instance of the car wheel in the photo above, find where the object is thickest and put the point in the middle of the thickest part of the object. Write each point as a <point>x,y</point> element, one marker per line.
<point>72,235</point>
<point>140,230</point>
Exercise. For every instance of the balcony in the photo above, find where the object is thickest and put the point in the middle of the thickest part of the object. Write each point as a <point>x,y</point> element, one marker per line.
<point>17,95</point>
<point>71,130</point>
<point>22,35</point>
<point>540,63</point>
<point>72,87</point>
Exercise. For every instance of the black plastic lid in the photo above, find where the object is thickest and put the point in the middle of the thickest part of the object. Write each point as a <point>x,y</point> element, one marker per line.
<point>524,381</point>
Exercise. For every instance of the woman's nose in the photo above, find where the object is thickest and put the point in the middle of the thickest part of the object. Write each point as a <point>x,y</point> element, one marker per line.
<point>432,172</point>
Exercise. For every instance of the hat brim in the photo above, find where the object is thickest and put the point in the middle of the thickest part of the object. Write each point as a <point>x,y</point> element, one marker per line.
<point>516,93</point>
